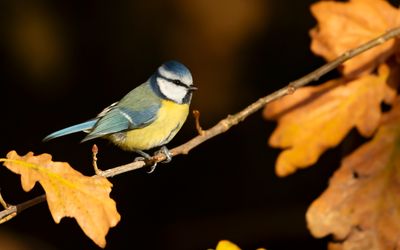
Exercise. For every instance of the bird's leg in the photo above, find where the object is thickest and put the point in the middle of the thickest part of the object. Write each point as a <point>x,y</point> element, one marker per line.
<point>164,150</point>
<point>145,156</point>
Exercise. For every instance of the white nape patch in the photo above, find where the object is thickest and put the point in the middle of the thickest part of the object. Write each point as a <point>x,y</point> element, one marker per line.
<point>171,90</point>
<point>185,79</point>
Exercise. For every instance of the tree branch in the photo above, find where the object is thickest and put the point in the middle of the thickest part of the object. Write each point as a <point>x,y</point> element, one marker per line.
<point>225,124</point>
<point>10,211</point>
<point>231,120</point>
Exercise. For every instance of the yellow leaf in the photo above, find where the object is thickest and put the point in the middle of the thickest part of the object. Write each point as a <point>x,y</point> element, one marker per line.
<point>226,245</point>
<point>346,25</point>
<point>361,206</point>
<point>69,193</point>
<point>314,119</point>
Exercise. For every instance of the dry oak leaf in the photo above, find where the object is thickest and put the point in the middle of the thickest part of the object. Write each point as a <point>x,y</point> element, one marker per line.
<point>361,206</point>
<point>69,193</point>
<point>346,25</point>
<point>314,119</point>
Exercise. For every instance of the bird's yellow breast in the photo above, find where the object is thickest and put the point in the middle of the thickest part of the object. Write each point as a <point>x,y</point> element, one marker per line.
<point>170,119</point>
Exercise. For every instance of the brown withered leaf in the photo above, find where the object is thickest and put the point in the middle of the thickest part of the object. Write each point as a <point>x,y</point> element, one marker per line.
<point>346,25</point>
<point>314,119</point>
<point>361,206</point>
<point>69,193</point>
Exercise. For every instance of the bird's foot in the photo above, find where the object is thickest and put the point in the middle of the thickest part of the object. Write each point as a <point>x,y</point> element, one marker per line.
<point>168,156</point>
<point>147,159</point>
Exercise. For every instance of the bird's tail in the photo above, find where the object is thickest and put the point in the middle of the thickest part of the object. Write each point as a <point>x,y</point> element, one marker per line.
<point>73,129</point>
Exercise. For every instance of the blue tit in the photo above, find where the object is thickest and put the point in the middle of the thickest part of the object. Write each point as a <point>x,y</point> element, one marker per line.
<point>147,117</point>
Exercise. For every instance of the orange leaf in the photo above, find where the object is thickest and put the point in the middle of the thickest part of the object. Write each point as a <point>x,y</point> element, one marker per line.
<point>361,206</point>
<point>69,193</point>
<point>314,119</point>
<point>344,26</point>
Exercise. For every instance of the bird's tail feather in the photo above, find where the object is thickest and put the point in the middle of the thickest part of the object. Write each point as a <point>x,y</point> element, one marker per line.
<point>73,129</point>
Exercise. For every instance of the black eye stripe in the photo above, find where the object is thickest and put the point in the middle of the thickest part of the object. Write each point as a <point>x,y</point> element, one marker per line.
<point>175,81</point>
<point>179,83</point>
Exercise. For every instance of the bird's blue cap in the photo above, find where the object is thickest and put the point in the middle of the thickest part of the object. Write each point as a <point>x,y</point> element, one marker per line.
<point>176,67</point>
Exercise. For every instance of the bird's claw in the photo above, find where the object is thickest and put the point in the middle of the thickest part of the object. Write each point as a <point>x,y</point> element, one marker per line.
<point>168,156</point>
<point>146,159</point>
<point>152,168</point>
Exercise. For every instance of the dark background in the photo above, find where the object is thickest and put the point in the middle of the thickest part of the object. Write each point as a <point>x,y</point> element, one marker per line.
<point>63,62</point>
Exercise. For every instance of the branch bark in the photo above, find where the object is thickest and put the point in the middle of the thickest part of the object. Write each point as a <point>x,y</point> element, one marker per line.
<point>10,211</point>
<point>226,123</point>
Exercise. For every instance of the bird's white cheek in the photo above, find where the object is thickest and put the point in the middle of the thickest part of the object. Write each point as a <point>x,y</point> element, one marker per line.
<point>172,91</point>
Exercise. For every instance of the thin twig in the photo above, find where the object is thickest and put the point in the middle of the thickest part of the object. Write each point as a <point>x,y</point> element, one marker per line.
<point>30,203</point>
<point>95,150</point>
<point>231,120</point>
<point>196,115</point>
<point>12,210</point>
<point>3,202</point>
<point>8,213</point>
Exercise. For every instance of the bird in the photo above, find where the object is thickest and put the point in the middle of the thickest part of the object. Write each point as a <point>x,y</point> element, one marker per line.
<point>149,116</point>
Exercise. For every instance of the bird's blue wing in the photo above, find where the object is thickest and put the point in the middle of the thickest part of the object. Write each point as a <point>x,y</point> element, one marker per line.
<point>121,118</point>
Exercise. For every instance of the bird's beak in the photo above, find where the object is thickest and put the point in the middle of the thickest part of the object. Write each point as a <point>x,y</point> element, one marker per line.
<point>192,88</point>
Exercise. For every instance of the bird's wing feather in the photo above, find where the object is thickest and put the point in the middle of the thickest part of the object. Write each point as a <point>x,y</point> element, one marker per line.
<point>121,118</point>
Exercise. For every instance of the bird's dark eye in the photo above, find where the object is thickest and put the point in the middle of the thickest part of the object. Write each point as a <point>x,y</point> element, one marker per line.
<point>177,82</point>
